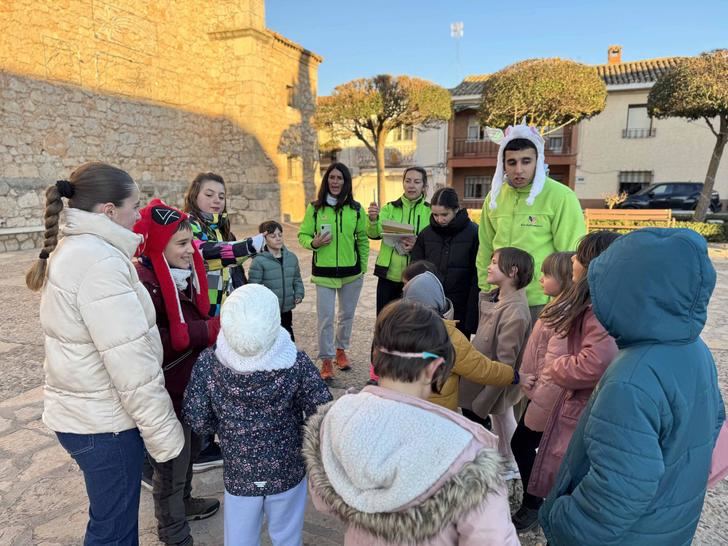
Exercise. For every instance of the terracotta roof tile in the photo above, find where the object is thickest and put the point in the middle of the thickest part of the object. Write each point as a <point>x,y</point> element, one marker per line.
<point>644,71</point>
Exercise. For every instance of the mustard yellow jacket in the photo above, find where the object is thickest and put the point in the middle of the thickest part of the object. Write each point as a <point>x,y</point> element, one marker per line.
<point>472,365</point>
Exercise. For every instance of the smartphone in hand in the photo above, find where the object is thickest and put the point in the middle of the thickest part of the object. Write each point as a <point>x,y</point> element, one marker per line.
<point>325,229</point>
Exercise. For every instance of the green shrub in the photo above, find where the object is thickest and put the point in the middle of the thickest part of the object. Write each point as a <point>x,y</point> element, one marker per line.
<point>713,233</point>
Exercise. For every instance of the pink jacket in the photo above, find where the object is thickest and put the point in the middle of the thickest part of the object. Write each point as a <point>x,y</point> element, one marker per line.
<point>465,505</point>
<point>576,364</point>
<point>544,393</point>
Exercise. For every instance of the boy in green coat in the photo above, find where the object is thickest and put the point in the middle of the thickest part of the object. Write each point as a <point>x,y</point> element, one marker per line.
<point>277,269</point>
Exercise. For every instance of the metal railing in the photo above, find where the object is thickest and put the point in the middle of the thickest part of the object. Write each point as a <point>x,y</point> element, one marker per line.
<point>557,144</point>
<point>639,133</point>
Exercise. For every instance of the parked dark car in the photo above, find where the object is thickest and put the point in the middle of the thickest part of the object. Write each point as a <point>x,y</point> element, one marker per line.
<point>670,195</point>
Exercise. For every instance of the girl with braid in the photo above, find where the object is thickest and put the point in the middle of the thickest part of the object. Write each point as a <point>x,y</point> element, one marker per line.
<point>104,392</point>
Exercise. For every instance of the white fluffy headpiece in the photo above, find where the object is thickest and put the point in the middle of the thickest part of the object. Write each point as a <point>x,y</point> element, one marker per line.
<point>513,132</point>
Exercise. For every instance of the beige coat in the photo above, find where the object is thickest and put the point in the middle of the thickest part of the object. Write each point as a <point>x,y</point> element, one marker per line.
<point>503,329</point>
<point>103,366</point>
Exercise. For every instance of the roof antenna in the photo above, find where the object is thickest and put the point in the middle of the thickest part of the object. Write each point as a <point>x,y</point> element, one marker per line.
<point>456,33</point>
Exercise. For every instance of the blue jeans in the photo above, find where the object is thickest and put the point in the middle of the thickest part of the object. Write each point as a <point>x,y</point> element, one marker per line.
<point>112,469</point>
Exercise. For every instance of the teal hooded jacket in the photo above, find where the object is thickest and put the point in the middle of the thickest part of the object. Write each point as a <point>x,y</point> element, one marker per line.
<point>637,466</point>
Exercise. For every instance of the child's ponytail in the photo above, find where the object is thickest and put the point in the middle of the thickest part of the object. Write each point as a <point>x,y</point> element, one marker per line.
<point>35,278</point>
<point>89,185</point>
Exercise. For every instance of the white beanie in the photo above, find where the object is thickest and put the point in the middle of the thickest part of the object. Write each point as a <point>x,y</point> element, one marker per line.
<point>251,337</point>
<point>513,132</point>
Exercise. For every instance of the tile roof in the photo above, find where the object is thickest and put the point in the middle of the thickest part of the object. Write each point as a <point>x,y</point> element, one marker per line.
<point>644,71</point>
<point>636,71</point>
<point>471,85</point>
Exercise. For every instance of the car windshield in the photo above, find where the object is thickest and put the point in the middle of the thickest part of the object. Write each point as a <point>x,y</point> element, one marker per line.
<point>659,190</point>
<point>671,188</point>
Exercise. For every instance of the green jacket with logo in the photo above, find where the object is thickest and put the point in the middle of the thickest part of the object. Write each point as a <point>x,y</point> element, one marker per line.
<point>345,258</point>
<point>554,223</point>
<point>390,264</point>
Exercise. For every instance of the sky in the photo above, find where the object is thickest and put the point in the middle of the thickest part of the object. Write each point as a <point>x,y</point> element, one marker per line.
<point>362,38</point>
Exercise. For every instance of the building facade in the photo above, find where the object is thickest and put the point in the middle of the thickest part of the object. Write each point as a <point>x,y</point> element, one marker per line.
<point>472,157</point>
<point>163,90</point>
<point>620,149</point>
<point>623,149</point>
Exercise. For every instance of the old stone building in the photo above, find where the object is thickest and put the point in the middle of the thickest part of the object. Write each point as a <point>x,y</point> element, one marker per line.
<point>162,89</point>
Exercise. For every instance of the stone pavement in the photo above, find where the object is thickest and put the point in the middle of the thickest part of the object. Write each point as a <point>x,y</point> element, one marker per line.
<point>42,497</point>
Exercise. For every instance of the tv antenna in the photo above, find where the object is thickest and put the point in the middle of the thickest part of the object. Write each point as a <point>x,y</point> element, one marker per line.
<point>456,33</point>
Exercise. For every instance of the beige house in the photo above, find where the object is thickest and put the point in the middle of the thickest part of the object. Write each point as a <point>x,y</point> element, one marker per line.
<point>623,149</point>
<point>406,147</point>
<point>162,89</point>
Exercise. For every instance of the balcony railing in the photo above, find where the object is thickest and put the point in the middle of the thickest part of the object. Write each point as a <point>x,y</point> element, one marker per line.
<point>556,144</point>
<point>639,133</point>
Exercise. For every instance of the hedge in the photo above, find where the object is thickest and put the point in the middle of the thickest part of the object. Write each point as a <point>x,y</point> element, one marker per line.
<point>713,233</point>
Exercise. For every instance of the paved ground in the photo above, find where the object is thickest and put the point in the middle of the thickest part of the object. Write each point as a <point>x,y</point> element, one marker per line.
<point>42,497</point>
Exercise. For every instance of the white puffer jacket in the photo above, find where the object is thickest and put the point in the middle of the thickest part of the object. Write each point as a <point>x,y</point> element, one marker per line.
<point>103,363</point>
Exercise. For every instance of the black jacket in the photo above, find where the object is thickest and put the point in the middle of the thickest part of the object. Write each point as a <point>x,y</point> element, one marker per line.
<point>453,249</point>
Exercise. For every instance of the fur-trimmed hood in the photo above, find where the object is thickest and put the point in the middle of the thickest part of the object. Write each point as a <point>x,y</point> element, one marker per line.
<point>472,475</point>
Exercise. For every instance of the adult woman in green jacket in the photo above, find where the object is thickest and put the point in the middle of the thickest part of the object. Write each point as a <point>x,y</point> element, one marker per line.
<point>411,208</point>
<point>334,228</point>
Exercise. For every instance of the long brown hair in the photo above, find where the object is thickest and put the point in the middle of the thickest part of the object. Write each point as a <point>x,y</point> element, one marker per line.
<point>89,185</point>
<point>563,314</point>
<point>191,208</point>
<point>410,327</point>
<point>346,197</point>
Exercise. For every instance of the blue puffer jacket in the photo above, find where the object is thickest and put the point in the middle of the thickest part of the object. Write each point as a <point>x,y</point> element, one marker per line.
<point>637,466</point>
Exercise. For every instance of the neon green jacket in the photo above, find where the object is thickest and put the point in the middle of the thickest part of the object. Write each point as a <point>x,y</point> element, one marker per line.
<point>554,223</point>
<point>345,258</point>
<point>391,264</point>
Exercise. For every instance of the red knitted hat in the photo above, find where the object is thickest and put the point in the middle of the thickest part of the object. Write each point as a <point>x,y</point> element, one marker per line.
<point>158,224</point>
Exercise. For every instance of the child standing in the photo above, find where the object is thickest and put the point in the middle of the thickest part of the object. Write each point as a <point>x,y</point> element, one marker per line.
<point>638,463</point>
<point>556,279</point>
<point>503,328</point>
<point>254,390</point>
<point>173,272</point>
<point>576,358</point>
<point>277,269</point>
<point>206,203</point>
<point>398,469</point>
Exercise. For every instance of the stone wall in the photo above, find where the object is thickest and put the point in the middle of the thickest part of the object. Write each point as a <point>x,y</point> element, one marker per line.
<point>163,90</point>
